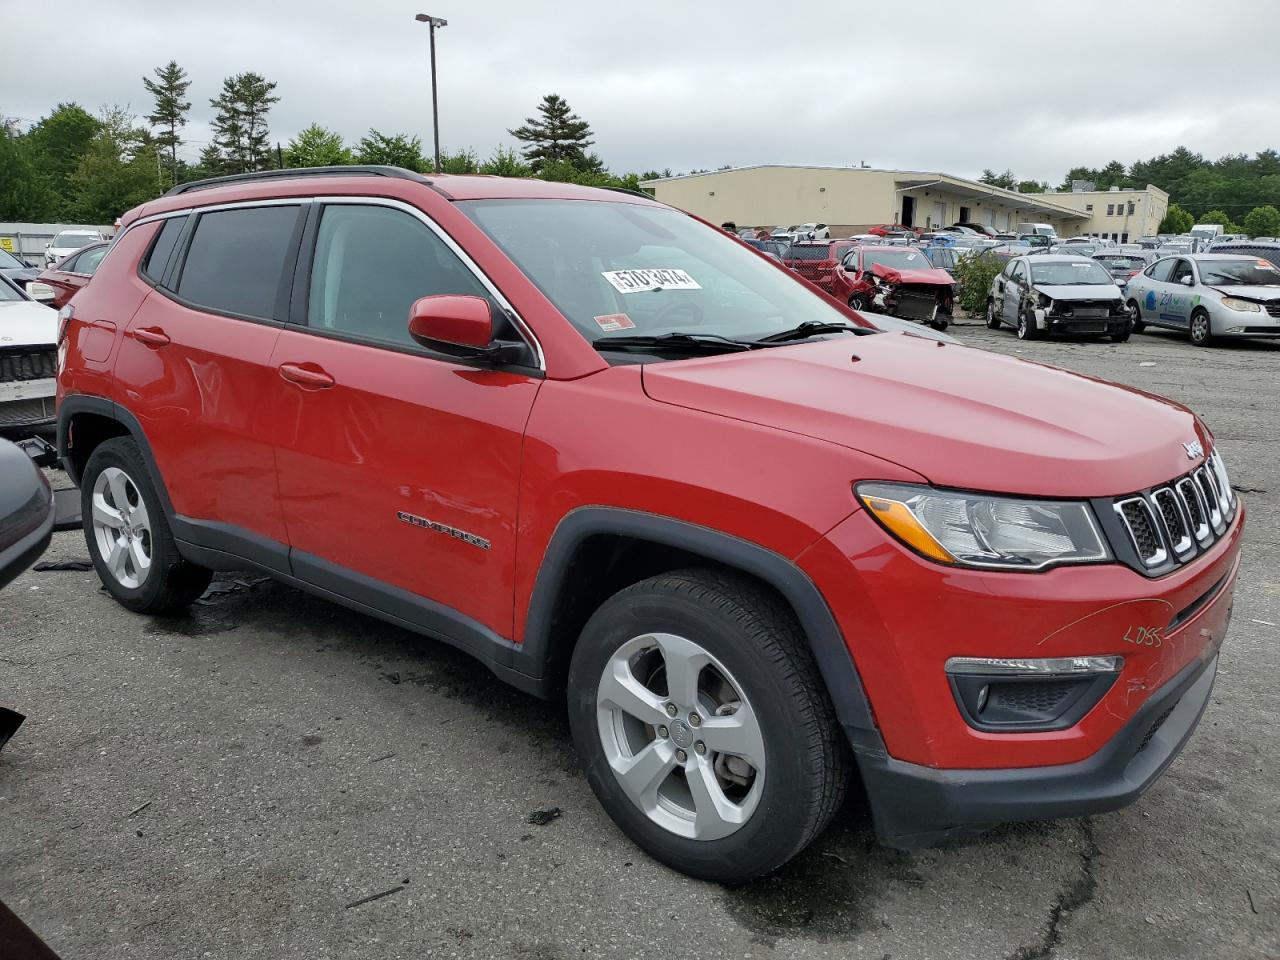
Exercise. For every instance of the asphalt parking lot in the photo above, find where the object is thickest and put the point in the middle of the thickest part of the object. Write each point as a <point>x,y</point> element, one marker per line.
<point>242,782</point>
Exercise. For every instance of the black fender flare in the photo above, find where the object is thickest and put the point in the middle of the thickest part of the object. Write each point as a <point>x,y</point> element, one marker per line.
<point>110,410</point>
<point>838,670</point>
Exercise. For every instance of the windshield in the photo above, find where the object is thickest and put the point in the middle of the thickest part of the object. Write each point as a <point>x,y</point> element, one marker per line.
<point>896,260</point>
<point>1069,273</point>
<point>68,238</point>
<point>1239,273</point>
<point>645,271</point>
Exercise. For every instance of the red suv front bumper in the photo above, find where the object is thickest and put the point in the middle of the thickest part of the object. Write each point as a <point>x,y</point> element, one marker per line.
<point>903,617</point>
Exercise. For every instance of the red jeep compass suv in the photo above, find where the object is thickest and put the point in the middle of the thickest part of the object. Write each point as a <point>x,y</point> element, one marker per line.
<point>623,459</point>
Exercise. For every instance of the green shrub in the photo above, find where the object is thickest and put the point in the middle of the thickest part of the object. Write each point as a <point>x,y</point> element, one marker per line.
<point>973,275</point>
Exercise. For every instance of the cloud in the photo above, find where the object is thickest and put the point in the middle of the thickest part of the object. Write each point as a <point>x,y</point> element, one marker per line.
<point>933,85</point>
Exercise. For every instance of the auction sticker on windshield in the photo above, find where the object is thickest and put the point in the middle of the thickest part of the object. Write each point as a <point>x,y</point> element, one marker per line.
<point>640,281</point>
<point>614,321</point>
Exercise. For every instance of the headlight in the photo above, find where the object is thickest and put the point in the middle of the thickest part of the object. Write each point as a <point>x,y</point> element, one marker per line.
<point>976,530</point>
<point>1247,306</point>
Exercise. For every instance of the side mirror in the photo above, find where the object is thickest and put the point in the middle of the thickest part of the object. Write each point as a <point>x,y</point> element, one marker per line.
<point>460,326</point>
<point>1188,281</point>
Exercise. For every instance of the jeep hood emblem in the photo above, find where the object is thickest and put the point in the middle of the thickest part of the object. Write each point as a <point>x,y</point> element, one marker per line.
<point>1194,450</point>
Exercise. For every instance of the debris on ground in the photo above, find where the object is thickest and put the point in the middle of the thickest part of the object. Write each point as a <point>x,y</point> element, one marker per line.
<point>540,818</point>
<point>76,565</point>
<point>10,721</point>
<point>377,896</point>
<point>385,756</point>
<point>138,809</point>
<point>222,586</point>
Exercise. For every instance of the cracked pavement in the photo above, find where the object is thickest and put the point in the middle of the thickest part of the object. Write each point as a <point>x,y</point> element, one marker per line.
<point>274,776</point>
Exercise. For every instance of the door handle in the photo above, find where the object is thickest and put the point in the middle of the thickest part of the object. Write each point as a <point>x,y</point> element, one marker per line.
<point>151,336</point>
<point>306,375</point>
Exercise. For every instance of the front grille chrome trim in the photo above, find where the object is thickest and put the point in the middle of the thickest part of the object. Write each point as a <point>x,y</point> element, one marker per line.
<point>1180,540</point>
<point>1160,554</point>
<point>1189,493</point>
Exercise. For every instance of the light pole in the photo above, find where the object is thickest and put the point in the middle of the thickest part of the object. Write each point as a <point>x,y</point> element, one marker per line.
<point>433,22</point>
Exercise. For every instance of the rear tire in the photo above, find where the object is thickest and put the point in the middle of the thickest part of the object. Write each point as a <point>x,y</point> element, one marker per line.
<point>744,649</point>
<point>128,535</point>
<point>1201,328</point>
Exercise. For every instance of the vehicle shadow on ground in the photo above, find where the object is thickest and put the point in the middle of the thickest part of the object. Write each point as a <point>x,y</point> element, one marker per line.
<point>830,892</point>
<point>396,656</point>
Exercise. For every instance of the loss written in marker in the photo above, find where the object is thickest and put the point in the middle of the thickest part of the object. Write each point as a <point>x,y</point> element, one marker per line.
<point>640,281</point>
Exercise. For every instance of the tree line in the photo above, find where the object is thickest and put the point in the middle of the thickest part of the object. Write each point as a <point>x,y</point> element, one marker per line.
<point>1240,192</point>
<point>74,166</point>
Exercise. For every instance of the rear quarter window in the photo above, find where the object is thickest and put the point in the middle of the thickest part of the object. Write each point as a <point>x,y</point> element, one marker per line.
<point>236,258</point>
<point>157,258</point>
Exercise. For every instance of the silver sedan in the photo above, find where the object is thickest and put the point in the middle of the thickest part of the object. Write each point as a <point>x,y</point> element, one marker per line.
<point>1209,295</point>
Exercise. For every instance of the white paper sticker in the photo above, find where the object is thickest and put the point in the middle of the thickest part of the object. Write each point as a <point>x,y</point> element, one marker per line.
<point>639,281</point>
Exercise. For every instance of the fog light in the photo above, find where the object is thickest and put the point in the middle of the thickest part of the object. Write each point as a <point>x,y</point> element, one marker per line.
<point>1014,695</point>
<point>1235,329</point>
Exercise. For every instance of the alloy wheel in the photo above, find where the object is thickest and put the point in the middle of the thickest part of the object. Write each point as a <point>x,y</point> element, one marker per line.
<point>680,737</point>
<point>121,527</point>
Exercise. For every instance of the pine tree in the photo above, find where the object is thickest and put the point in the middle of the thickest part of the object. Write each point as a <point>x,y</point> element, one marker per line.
<point>240,126</point>
<point>170,111</point>
<point>558,135</point>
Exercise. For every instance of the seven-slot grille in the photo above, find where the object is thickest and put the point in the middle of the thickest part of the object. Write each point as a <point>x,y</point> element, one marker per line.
<point>1181,519</point>
<point>26,363</point>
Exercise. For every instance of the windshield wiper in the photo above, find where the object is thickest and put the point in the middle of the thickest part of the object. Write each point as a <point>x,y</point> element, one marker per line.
<point>811,328</point>
<point>697,342</point>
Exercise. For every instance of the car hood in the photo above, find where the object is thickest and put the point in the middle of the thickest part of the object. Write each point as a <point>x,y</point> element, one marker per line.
<point>20,275</point>
<point>25,323</point>
<point>911,276</point>
<point>1091,291</point>
<point>959,416</point>
<point>1247,292</point>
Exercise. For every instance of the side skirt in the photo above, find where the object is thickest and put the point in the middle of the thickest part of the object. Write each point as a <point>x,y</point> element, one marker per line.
<point>223,547</point>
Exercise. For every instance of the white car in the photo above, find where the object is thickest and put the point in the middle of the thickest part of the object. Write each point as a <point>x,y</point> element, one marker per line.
<point>28,360</point>
<point>68,242</point>
<point>1209,295</point>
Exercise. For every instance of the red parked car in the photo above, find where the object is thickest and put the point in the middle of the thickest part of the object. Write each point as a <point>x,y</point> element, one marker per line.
<point>816,260</point>
<point>900,281</point>
<point>893,229</point>
<point>68,276</point>
<point>631,465</point>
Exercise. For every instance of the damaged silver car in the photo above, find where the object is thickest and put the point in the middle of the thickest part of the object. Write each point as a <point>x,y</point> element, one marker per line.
<point>1044,294</point>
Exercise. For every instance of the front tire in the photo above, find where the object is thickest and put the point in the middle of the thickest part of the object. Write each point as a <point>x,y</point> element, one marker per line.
<point>1138,323</point>
<point>1027,325</point>
<point>993,319</point>
<point>1201,329</point>
<point>128,535</point>
<point>703,724</point>
<point>859,302</point>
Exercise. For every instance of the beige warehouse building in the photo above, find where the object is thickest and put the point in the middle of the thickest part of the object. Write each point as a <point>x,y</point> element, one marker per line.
<point>853,199</point>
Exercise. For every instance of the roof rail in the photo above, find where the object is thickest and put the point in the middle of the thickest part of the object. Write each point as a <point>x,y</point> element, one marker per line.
<point>289,173</point>
<point>634,193</point>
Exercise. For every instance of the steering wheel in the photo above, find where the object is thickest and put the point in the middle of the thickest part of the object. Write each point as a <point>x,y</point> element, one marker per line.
<point>675,309</point>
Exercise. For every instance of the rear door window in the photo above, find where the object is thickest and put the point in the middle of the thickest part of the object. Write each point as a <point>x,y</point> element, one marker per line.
<point>236,258</point>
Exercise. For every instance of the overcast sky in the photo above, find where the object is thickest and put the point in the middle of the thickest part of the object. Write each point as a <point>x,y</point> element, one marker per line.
<point>949,86</point>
